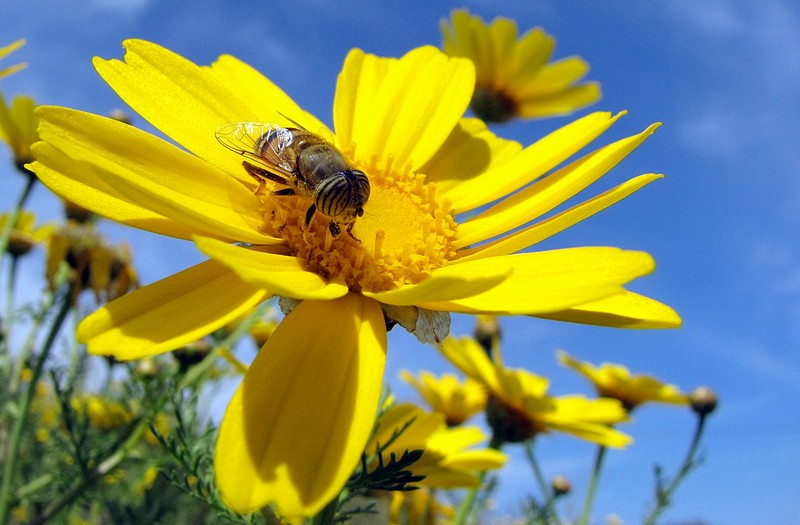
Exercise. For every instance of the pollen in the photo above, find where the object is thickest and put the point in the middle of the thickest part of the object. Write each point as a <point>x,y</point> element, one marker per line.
<point>405,233</point>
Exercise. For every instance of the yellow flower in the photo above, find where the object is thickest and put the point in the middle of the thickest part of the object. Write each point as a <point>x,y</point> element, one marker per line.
<point>104,414</point>
<point>95,264</point>
<point>519,407</point>
<point>297,425</point>
<point>25,235</point>
<point>615,381</point>
<point>447,460</point>
<point>18,124</point>
<point>514,76</point>
<point>457,400</point>
<point>6,50</point>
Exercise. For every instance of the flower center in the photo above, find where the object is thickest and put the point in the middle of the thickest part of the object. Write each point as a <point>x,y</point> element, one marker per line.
<point>404,234</point>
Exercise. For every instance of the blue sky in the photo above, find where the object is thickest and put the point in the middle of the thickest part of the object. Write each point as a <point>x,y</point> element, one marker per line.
<point>723,77</point>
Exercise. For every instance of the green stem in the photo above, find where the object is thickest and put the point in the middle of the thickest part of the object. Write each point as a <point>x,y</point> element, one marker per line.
<point>30,341</point>
<point>664,497</point>
<point>10,467</point>
<point>9,306</point>
<point>92,476</point>
<point>465,508</point>
<point>593,482</point>
<point>547,492</point>
<point>5,234</point>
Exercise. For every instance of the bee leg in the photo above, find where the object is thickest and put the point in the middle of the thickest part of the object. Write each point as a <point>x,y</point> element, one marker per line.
<point>310,213</point>
<point>285,191</point>
<point>349,231</point>
<point>334,228</point>
<point>262,175</point>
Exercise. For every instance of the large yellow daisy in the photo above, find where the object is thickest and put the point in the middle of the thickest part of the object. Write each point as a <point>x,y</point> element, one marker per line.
<point>297,425</point>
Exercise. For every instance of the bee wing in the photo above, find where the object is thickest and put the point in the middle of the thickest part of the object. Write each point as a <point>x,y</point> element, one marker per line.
<point>262,143</point>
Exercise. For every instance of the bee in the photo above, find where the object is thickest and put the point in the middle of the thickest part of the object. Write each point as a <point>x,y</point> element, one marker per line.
<point>306,164</point>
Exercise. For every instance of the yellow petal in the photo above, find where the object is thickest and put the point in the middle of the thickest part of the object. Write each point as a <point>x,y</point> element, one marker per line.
<point>539,231</point>
<point>296,427</point>
<point>445,284</point>
<point>470,150</point>
<point>625,310</point>
<point>543,196</point>
<point>90,187</point>
<point>552,78</point>
<point>281,274</point>
<point>550,281</point>
<point>186,102</point>
<point>169,313</point>
<point>386,128</point>
<point>470,357</point>
<point>562,103</point>
<point>263,97</point>
<point>155,174</point>
<point>531,163</point>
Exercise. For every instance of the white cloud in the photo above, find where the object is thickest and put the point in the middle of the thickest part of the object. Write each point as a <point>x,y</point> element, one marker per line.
<point>715,133</point>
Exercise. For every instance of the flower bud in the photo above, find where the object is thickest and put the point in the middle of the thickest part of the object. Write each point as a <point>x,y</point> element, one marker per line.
<point>703,400</point>
<point>560,485</point>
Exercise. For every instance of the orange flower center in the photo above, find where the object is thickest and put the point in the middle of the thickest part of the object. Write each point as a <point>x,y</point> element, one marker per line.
<point>404,234</point>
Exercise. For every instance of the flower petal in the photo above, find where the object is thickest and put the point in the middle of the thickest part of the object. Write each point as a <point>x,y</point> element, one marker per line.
<point>266,99</point>
<point>531,163</point>
<point>562,103</point>
<point>281,274</point>
<point>296,427</point>
<point>169,313</point>
<point>90,187</point>
<point>550,281</point>
<point>470,150</point>
<point>186,102</point>
<point>543,196</point>
<point>542,230</point>
<point>625,310</point>
<point>409,107</point>
<point>155,174</point>
<point>552,78</point>
<point>445,284</point>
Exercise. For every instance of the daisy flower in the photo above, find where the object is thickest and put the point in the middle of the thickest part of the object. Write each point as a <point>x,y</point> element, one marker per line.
<point>296,426</point>
<point>456,400</point>
<point>514,76</point>
<point>519,408</point>
<point>25,235</point>
<point>448,459</point>
<point>616,381</point>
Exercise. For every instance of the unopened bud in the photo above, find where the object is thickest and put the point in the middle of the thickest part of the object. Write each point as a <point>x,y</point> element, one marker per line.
<point>120,115</point>
<point>487,332</point>
<point>560,485</point>
<point>703,400</point>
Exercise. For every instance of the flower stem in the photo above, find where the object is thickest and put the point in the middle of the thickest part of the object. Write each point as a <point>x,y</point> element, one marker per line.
<point>10,467</point>
<point>547,493</point>
<point>465,508</point>
<point>9,306</point>
<point>664,496</point>
<point>5,234</point>
<point>593,482</point>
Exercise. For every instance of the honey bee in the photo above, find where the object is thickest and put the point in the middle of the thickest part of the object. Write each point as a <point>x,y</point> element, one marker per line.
<point>306,164</point>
